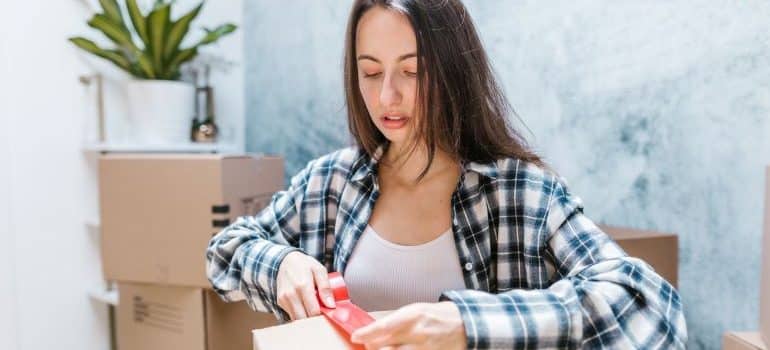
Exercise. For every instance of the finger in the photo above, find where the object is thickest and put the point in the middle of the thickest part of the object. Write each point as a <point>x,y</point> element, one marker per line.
<point>309,300</point>
<point>366,333</point>
<point>377,329</point>
<point>377,347</point>
<point>399,338</point>
<point>321,278</point>
<point>406,347</point>
<point>394,344</point>
<point>382,343</point>
<point>393,329</point>
<point>298,309</point>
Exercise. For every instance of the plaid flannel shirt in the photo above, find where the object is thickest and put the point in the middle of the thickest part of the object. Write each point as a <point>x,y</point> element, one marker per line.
<point>538,273</point>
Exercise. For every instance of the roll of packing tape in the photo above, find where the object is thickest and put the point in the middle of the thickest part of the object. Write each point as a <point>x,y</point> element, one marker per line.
<point>346,315</point>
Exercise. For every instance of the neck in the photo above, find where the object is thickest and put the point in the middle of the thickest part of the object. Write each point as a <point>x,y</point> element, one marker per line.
<point>403,167</point>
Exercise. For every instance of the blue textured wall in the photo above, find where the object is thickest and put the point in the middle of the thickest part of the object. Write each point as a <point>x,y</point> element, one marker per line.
<point>658,114</point>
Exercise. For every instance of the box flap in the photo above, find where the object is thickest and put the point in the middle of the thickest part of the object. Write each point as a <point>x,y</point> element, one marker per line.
<point>317,333</point>
<point>178,156</point>
<point>742,341</point>
<point>626,233</point>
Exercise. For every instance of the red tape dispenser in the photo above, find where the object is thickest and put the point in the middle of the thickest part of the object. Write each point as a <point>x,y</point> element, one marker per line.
<point>346,315</point>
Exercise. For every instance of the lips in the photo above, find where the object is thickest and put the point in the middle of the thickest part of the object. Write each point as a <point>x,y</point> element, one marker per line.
<point>394,120</point>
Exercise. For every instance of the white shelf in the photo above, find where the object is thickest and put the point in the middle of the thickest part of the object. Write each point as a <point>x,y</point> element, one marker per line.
<point>188,147</point>
<point>109,297</point>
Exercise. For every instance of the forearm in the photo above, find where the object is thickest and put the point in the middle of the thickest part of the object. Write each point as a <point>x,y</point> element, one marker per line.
<point>242,263</point>
<point>617,303</point>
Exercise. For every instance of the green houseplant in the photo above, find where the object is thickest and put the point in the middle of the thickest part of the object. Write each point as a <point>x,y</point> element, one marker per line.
<point>158,52</point>
<point>148,45</point>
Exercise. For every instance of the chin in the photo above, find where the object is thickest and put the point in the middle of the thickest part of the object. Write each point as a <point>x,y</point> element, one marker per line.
<point>395,136</point>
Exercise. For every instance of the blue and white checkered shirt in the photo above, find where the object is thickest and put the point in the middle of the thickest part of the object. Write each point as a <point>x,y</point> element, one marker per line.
<point>538,273</point>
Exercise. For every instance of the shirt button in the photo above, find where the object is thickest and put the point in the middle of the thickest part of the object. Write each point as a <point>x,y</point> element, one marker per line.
<point>468,266</point>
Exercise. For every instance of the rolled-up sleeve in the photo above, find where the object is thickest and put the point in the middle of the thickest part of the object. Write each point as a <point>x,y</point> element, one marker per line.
<point>598,297</point>
<point>242,260</point>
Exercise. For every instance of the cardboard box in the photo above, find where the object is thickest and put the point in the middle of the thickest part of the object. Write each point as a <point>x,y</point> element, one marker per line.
<point>660,250</point>
<point>318,331</point>
<point>153,317</point>
<point>742,341</point>
<point>158,211</point>
<point>764,286</point>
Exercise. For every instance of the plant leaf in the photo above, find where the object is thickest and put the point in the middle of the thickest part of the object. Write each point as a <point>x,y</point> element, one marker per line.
<point>112,10</point>
<point>157,25</point>
<point>179,30</point>
<point>214,35</point>
<point>144,62</point>
<point>158,4</point>
<point>114,56</point>
<point>180,58</point>
<point>112,31</point>
<point>139,21</point>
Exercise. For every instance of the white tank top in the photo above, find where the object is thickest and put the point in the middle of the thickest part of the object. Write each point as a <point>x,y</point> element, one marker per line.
<point>381,275</point>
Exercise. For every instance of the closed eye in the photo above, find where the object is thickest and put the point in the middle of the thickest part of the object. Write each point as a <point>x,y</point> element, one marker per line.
<point>411,74</point>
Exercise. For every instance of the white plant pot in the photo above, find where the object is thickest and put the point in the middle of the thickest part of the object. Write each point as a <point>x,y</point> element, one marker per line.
<point>160,111</point>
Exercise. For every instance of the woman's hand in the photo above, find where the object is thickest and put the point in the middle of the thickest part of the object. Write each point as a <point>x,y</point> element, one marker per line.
<point>298,277</point>
<point>416,326</point>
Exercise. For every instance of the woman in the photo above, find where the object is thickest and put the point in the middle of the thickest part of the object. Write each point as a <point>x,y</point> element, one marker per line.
<point>441,212</point>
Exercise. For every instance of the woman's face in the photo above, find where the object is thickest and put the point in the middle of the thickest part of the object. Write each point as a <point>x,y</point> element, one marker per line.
<point>386,51</point>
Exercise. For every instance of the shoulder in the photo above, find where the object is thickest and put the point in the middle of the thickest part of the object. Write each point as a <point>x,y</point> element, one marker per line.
<point>539,184</point>
<point>341,160</point>
<point>536,189</point>
<point>524,172</point>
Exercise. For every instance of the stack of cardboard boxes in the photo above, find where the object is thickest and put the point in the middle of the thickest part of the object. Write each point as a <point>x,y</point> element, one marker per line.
<point>158,213</point>
<point>758,340</point>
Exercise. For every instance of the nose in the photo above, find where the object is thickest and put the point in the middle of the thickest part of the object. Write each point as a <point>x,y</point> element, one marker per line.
<point>390,95</point>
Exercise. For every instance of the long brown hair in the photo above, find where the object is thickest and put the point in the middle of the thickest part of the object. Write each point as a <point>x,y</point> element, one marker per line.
<point>462,109</point>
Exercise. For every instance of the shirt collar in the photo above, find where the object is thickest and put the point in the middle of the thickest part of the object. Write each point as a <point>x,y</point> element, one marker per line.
<point>365,166</point>
<point>489,170</point>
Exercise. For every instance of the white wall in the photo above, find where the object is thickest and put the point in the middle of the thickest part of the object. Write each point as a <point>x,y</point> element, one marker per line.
<point>48,188</point>
<point>54,262</point>
<point>7,294</point>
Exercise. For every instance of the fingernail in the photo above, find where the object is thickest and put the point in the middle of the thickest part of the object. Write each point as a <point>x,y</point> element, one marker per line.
<point>330,301</point>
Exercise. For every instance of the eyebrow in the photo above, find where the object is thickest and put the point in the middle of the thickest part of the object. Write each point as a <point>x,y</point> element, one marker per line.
<point>400,58</point>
